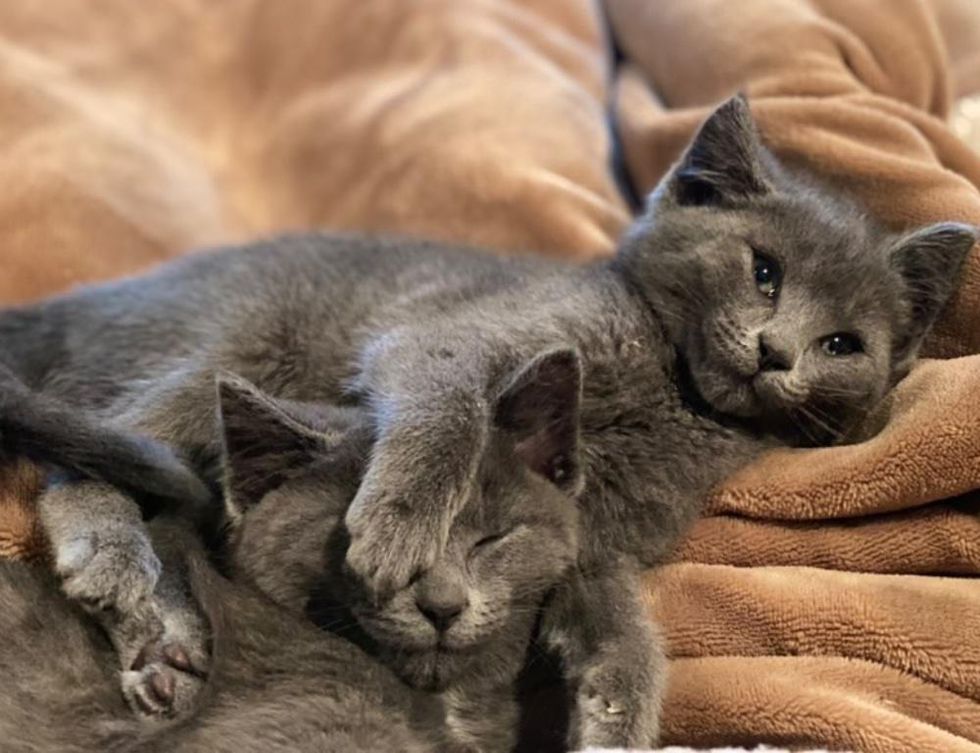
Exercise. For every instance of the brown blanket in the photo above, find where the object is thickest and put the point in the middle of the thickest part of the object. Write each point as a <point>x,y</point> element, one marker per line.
<point>827,601</point>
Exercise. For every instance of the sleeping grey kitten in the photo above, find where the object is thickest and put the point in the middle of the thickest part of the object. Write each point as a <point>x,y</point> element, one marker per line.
<point>747,307</point>
<point>463,629</point>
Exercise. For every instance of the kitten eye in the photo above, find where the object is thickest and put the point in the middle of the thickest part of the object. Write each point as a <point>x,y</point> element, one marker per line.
<point>767,274</point>
<point>488,540</point>
<point>841,344</point>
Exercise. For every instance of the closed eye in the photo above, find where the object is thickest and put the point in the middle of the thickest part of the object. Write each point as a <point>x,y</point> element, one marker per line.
<point>488,540</point>
<point>494,538</point>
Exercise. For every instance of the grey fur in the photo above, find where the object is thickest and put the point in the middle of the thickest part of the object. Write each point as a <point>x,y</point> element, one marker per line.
<point>676,393</point>
<point>287,542</point>
<point>276,682</point>
<point>107,565</point>
<point>39,427</point>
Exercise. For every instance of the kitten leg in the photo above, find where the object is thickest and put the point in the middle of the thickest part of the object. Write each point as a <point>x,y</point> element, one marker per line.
<point>431,414</point>
<point>166,673</point>
<point>104,554</point>
<point>435,394</point>
<point>99,545</point>
<point>613,657</point>
<point>418,479</point>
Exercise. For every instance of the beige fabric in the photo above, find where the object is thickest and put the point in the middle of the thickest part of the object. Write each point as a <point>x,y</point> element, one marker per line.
<point>20,531</point>
<point>135,131</point>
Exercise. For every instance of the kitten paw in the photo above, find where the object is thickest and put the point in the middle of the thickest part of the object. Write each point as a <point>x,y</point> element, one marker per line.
<point>164,680</point>
<point>388,549</point>
<point>618,707</point>
<point>112,570</point>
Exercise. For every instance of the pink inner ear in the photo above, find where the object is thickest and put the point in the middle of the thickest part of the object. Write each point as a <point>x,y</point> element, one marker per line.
<point>541,453</point>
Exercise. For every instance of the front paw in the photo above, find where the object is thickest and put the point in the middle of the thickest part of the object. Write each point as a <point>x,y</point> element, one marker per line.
<point>618,706</point>
<point>389,547</point>
<point>109,571</point>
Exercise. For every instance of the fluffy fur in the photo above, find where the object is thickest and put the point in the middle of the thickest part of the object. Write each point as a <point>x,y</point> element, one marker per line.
<point>276,683</point>
<point>40,428</point>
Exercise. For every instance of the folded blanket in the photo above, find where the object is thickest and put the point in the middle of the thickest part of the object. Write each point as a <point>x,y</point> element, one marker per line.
<point>961,33</point>
<point>815,606</point>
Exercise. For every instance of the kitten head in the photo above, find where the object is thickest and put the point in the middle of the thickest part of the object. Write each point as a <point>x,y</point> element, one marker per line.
<point>786,304</point>
<point>290,472</point>
<point>292,469</point>
<point>469,618</point>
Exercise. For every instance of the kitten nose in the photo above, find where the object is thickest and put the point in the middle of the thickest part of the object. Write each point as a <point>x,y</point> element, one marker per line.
<point>441,603</point>
<point>442,615</point>
<point>771,359</point>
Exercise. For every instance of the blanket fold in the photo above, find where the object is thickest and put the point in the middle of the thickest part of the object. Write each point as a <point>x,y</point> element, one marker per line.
<point>942,538</point>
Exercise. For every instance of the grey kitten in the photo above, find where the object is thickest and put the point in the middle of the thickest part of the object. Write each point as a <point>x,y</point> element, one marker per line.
<point>747,307</point>
<point>464,627</point>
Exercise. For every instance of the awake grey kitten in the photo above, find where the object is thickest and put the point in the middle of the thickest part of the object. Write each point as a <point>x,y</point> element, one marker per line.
<point>747,307</point>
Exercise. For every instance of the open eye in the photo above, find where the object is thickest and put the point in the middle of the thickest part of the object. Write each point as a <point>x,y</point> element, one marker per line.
<point>767,274</point>
<point>841,344</point>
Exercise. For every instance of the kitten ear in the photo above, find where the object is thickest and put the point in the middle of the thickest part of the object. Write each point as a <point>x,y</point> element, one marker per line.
<point>540,409</point>
<point>261,442</point>
<point>723,164</point>
<point>929,261</point>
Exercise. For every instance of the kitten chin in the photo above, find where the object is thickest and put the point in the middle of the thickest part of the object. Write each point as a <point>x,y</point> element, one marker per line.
<point>434,670</point>
<point>439,669</point>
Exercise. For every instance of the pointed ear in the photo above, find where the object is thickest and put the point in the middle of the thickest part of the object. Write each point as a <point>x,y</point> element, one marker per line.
<point>724,162</point>
<point>261,442</point>
<point>929,261</point>
<point>540,410</point>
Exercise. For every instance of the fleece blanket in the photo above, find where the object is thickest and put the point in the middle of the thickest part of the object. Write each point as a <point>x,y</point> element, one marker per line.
<point>830,598</point>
